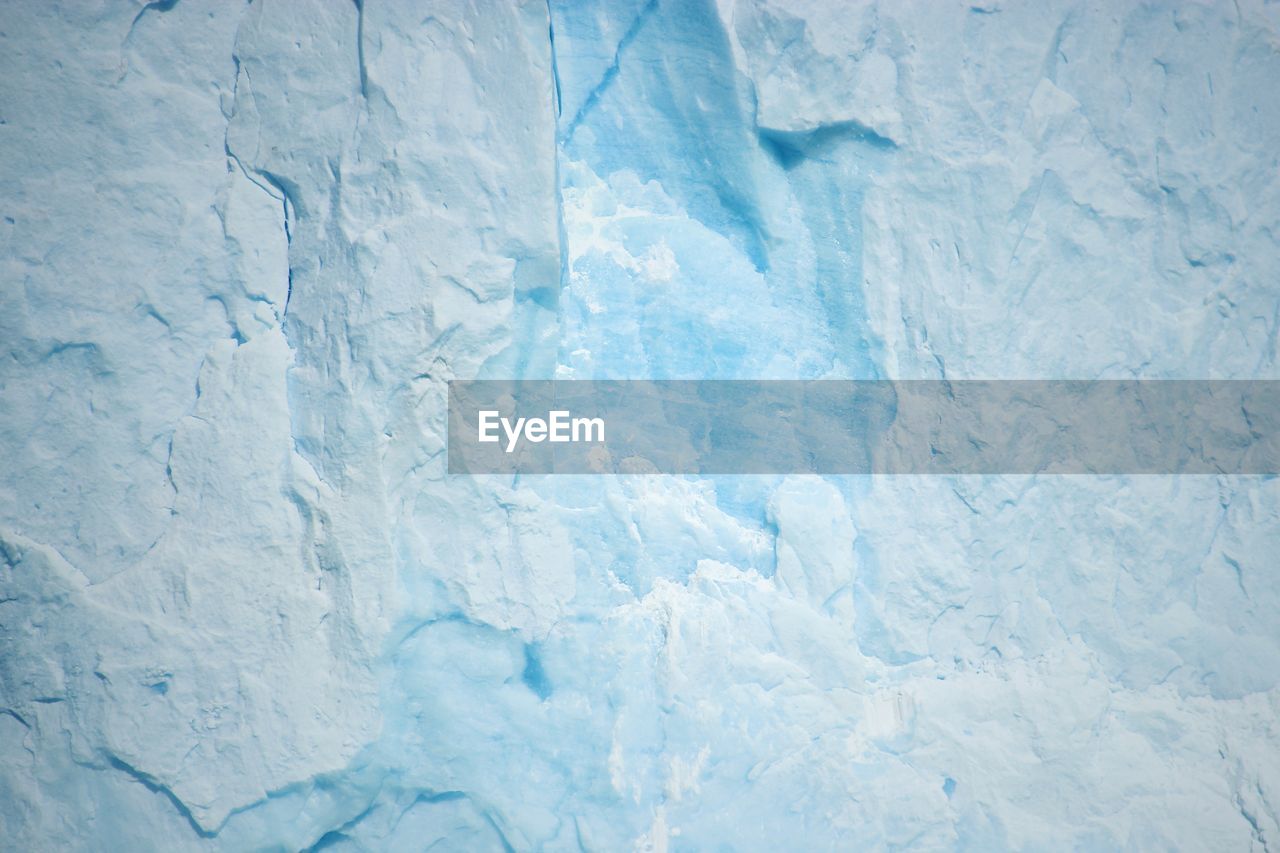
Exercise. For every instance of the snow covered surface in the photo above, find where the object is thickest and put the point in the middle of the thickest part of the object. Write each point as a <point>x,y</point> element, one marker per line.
<point>244,247</point>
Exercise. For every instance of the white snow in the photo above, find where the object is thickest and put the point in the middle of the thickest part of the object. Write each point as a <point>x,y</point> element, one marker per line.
<point>245,247</point>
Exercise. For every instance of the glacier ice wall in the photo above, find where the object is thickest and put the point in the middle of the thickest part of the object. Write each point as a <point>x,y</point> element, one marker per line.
<point>245,247</point>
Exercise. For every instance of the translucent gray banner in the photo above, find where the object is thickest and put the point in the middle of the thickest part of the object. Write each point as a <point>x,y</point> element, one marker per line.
<point>865,427</point>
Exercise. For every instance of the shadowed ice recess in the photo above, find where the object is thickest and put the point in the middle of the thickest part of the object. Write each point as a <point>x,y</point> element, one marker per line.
<point>245,247</point>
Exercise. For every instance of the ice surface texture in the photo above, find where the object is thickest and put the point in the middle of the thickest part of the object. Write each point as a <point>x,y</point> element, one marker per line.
<point>244,247</point>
